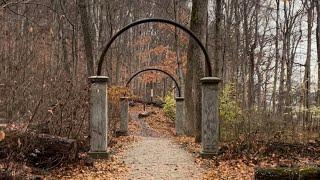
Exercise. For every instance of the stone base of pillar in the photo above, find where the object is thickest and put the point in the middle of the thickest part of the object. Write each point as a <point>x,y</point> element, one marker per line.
<point>206,155</point>
<point>99,155</point>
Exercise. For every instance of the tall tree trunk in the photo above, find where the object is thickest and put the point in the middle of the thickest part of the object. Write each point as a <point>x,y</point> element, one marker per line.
<point>195,70</point>
<point>284,59</point>
<point>249,57</point>
<point>63,43</point>
<point>218,40</point>
<point>179,61</point>
<point>238,64</point>
<point>306,78</point>
<point>274,96</point>
<point>251,92</point>
<point>55,45</point>
<point>86,36</point>
<point>201,8</point>
<point>318,48</point>
<point>189,106</point>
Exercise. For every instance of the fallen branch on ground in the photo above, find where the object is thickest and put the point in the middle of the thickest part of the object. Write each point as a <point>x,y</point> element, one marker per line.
<point>145,114</point>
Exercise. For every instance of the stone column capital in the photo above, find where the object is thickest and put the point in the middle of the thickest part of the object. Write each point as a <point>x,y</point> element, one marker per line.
<point>95,79</point>
<point>179,98</point>
<point>210,80</point>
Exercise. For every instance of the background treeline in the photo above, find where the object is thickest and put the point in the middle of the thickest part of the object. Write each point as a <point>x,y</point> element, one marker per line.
<point>266,52</point>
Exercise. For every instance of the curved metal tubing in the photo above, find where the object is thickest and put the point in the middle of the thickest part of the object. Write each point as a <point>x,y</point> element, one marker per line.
<point>104,51</point>
<point>154,69</point>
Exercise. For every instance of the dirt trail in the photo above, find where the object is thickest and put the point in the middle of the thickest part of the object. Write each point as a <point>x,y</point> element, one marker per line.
<point>158,158</point>
<point>145,129</point>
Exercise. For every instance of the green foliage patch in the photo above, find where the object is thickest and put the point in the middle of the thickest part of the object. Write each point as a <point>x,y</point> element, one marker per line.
<point>229,110</point>
<point>169,108</point>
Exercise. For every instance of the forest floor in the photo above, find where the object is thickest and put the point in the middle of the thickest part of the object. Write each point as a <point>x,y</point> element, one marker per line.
<point>152,151</point>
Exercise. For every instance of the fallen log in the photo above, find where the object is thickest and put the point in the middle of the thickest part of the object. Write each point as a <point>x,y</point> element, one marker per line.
<point>145,114</point>
<point>39,150</point>
<point>49,151</point>
<point>287,173</point>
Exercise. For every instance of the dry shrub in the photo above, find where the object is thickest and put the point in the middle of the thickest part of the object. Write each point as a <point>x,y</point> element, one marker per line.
<point>38,98</point>
<point>253,126</point>
<point>114,94</point>
<point>49,103</point>
<point>239,124</point>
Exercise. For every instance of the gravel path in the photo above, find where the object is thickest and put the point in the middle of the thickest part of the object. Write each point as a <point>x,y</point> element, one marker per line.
<point>158,158</point>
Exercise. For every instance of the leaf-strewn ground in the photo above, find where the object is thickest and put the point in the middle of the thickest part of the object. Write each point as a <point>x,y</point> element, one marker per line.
<point>236,160</point>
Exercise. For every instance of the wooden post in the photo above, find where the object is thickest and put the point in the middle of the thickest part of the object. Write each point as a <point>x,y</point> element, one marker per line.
<point>124,108</point>
<point>99,117</point>
<point>210,116</point>
<point>179,115</point>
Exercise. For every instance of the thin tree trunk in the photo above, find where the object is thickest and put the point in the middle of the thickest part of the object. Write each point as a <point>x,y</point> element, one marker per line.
<point>283,60</point>
<point>179,62</point>
<point>274,96</point>
<point>189,106</point>
<point>247,54</point>
<point>308,59</point>
<point>63,42</point>
<point>86,36</point>
<point>195,70</point>
<point>218,40</point>
<point>200,8</point>
<point>251,93</point>
<point>318,48</point>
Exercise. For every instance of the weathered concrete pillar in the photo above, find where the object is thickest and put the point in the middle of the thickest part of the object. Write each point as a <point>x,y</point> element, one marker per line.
<point>179,115</point>
<point>210,116</point>
<point>98,117</point>
<point>124,116</point>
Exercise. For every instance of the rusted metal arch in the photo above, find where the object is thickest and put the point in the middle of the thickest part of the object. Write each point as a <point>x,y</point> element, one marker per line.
<point>104,51</point>
<point>159,70</point>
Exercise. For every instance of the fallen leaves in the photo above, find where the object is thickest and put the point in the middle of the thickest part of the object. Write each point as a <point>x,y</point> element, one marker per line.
<point>157,121</point>
<point>113,168</point>
<point>160,123</point>
<point>237,161</point>
<point>2,135</point>
<point>102,169</point>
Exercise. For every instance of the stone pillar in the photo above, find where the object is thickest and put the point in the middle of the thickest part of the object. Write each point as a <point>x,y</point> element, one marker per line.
<point>179,116</point>
<point>210,116</point>
<point>98,117</point>
<point>124,110</point>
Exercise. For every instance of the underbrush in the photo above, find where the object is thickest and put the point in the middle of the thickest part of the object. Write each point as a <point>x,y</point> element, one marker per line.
<point>239,124</point>
<point>238,159</point>
<point>59,108</point>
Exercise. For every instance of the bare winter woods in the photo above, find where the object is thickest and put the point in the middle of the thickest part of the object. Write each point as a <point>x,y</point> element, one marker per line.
<point>267,53</point>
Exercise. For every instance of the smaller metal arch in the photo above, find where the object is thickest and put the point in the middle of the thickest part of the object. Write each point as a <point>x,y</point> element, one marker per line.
<point>159,70</point>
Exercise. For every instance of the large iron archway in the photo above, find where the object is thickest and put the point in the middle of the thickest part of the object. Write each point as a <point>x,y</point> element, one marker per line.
<point>114,37</point>
<point>159,70</point>
<point>99,105</point>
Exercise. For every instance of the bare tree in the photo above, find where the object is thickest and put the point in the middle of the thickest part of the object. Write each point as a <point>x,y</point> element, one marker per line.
<point>218,39</point>
<point>195,70</point>
<point>276,66</point>
<point>86,36</point>
<point>309,6</point>
<point>317,5</point>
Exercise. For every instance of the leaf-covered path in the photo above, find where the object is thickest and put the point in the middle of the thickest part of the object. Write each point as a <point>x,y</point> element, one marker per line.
<point>154,156</point>
<point>159,158</point>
